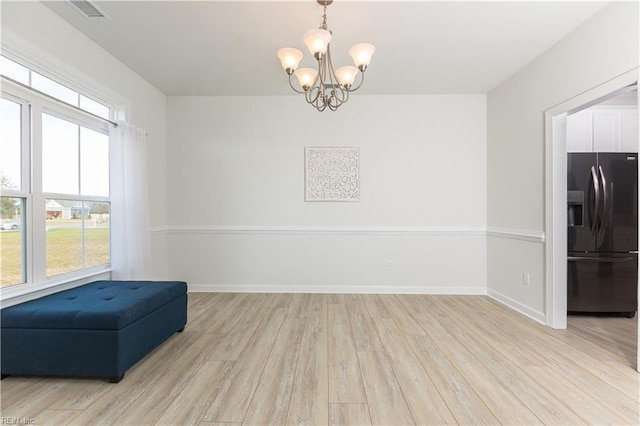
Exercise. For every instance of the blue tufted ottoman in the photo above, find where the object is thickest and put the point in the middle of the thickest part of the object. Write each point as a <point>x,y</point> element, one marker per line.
<point>99,329</point>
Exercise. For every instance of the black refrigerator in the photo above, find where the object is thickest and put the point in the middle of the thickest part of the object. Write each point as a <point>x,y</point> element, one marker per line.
<point>602,234</point>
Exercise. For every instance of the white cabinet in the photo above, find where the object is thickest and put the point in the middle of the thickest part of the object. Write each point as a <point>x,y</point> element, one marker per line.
<point>603,129</point>
<point>606,130</point>
<point>629,130</point>
<point>580,132</point>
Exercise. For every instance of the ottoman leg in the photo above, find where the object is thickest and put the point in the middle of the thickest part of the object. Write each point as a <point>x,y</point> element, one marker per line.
<point>116,379</point>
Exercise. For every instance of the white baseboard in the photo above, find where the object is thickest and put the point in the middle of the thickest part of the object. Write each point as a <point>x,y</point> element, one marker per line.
<point>517,306</point>
<point>334,289</point>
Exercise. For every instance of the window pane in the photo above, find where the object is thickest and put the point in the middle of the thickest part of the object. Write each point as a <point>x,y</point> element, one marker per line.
<point>94,107</point>
<point>60,155</point>
<point>14,70</point>
<point>96,235</point>
<point>12,248</point>
<point>54,89</point>
<point>10,145</point>
<point>64,235</point>
<point>94,163</point>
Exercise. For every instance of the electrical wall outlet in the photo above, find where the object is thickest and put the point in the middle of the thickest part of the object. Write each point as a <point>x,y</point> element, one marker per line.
<point>526,278</point>
<point>387,265</point>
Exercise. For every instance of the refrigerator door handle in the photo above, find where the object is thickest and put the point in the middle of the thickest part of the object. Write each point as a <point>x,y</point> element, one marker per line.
<point>599,259</point>
<point>596,207</point>
<point>605,198</point>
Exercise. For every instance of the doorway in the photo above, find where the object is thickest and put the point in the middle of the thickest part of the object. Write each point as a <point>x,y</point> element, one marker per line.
<point>556,192</point>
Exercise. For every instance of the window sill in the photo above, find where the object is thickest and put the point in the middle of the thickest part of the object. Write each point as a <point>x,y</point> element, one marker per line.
<point>20,293</point>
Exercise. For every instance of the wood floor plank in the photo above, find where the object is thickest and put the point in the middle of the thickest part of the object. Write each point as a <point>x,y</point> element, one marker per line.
<point>138,379</point>
<point>15,389</point>
<point>310,394</point>
<point>317,314</point>
<point>349,415</point>
<point>206,309</point>
<point>50,418</point>
<point>78,394</point>
<point>336,298</point>
<point>220,320</point>
<point>461,399</point>
<point>589,409</point>
<point>497,357</point>
<point>364,332</point>
<point>375,305</point>
<point>577,366</point>
<point>503,403</point>
<point>271,398</point>
<point>191,404</point>
<point>402,316</point>
<point>422,396</point>
<point>247,305</point>
<point>33,405</point>
<point>588,372</point>
<point>231,402</point>
<point>298,306</point>
<point>150,404</point>
<point>309,398</point>
<point>238,332</point>
<point>345,379</point>
<point>384,397</point>
<point>284,301</point>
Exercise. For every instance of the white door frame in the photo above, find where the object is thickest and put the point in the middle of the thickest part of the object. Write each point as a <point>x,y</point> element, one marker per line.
<point>556,194</point>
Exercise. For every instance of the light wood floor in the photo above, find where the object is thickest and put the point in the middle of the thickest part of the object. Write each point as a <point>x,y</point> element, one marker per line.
<point>356,359</point>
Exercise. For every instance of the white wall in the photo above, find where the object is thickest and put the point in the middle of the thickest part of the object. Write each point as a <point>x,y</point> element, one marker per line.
<point>602,48</point>
<point>238,219</point>
<point>43,37</point>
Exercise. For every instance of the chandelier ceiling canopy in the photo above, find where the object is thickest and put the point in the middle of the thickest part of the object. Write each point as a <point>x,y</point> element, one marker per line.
<point>325,87</point>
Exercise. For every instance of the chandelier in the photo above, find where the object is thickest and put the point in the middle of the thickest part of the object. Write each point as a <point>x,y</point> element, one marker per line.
<point>325,87</point>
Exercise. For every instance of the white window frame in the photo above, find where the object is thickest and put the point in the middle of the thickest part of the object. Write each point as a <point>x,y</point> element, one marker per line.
<point>34,232</point>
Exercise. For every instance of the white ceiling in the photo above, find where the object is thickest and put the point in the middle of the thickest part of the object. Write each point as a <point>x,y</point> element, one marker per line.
<point>423,47</point>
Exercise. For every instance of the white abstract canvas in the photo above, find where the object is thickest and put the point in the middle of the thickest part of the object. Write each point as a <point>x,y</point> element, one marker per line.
<point>332,174</point>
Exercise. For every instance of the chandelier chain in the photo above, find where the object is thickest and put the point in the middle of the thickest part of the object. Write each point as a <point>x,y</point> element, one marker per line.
<point>323,26</point>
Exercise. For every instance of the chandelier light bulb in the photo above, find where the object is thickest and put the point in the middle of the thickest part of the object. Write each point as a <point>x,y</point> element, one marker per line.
<point>290,59</point>
<point>346,76</point>
<point>317,42</point>
<point>361,54</point>
<point>306,77</point>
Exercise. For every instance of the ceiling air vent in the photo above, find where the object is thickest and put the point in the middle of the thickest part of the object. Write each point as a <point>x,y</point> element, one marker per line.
<point>88,9</point>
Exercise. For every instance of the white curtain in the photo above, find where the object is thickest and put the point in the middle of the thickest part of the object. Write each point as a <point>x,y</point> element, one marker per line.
<point>130,245</point>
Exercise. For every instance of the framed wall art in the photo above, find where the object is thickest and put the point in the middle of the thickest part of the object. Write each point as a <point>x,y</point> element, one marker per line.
<point>332,173</point>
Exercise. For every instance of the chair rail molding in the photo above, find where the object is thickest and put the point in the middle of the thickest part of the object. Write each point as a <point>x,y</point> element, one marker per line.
<point>517,234</point>
<point>321,230</point>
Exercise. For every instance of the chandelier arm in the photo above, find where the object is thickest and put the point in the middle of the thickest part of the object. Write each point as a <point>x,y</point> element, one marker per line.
<point>338,93</point>
<point>359,84</point>
<point>344,96</point>
<point>310,97</point>
<point>295,90</point>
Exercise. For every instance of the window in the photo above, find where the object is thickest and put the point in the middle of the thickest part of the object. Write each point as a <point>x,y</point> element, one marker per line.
<point>54,181</point>
<point>46,85</point>
<point>13,193</point>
